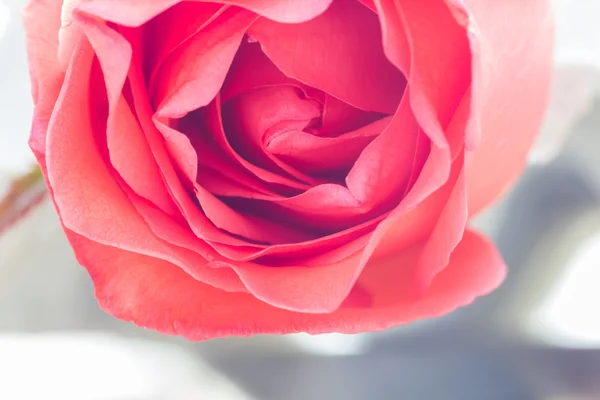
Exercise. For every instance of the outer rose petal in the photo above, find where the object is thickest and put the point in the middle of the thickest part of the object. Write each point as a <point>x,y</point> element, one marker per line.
<point>46,74</point>
<point>128,150</point>
<point>512,71</point>
<point>137,12</point>
<point>155,294</point>
<point>87,197</point>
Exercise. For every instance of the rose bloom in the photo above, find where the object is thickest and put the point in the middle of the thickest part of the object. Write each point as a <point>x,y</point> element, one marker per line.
<point>276,166</point>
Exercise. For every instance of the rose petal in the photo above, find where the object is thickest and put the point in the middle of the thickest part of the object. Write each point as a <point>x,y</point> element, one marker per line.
<point>474,269</point>
<point>417,213</point>
<point>285,11</point>
<point>511,84</point>
<point>128,150</point>
<point>97,208</point>
<point>223,186</point>
<point>254,118</point>
<point>173,27</point>
<point>137,12</point>
<point>193,74</point>
<point>322,50</point>
<point>132,159</point>
<point>69,33</point>
<point>441,69</point>
<point>238,222</point>
<point>320,289</point>
<point>375,183</point>
<point>44,70</point>
<point>382,171</point>
<point>155,294</point>
<point>252,69</point>
<point>431,27</point>
<point>322,250</point>
<point>197,221</point>
<point>369,4</point>
<point>320,155</point>
<point>212,116</point>
<point>423,40</point>
<point>446,235</point>
<point>126,12</point>
<point>181,150</point>
<point>340,117</point>
<point>194,152</point>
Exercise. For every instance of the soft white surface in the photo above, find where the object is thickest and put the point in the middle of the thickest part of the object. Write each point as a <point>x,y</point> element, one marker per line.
<point>102,367</point>
<point>570,315</point>
<point>15,100</point>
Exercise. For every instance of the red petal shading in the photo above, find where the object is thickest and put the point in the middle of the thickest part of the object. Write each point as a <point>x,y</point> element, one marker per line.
<point>327,249</point>
<point>252,69</point>
<point>369,4</point>
<point>261,230</point>
<point>128,150</point>
<point>193,74</point>
<point>322,48</point>
<point>441,64</point>
<point>511,81</point>
<point>97,208</point>
<point>132,159</point>
<point>424,41</point>
<point>155,294</point>
<point>318,155</point>
<point>438,71</point>
<point>287,11</point>
<point>218,184</point>
<point>194,152</point>
<point>382,171</point>
<point>340,117</point>
<point>212,117</point>
<point>319,289</point>
<point>181,150</point>
<point>170,29</point>
<point>253,119</point>
<point>197,221</point>
<point>375,182</point>
<point>416,215</point>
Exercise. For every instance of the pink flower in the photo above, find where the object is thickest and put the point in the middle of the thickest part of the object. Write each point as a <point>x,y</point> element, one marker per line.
<point>278,166</point>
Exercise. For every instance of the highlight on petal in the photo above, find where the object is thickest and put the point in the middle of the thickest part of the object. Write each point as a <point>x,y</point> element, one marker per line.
<point>285,11</point>
<point>511,84</point>
<point>193,74</point>
<point>136,12</point>
<point>125,12</point>
<point>44,69</point>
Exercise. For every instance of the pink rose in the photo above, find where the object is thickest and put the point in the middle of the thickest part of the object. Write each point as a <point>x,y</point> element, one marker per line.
<point>279,166</point>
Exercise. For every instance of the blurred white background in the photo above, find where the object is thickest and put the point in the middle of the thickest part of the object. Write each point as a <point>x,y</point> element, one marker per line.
<point>536,337</point>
